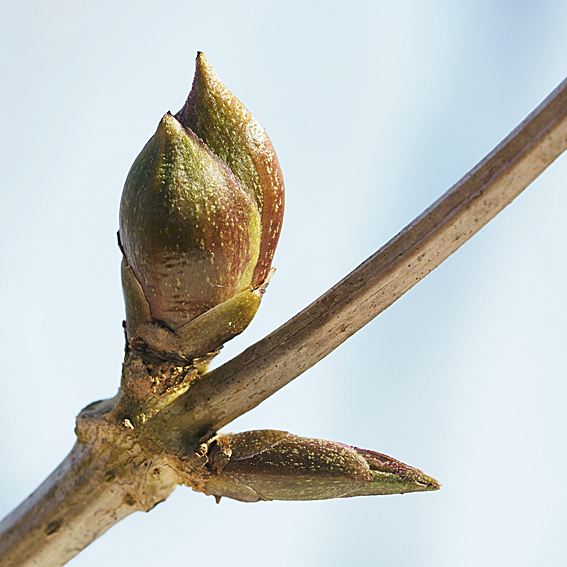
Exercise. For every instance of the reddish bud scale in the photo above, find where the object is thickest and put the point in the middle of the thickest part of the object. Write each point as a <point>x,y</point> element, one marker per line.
<point>200,218</point>
<point>189,232</point>
<point>233,134</point>
<point>275,465</point>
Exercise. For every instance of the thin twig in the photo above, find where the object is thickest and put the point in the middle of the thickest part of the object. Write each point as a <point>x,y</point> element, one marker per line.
<point>245,381</point>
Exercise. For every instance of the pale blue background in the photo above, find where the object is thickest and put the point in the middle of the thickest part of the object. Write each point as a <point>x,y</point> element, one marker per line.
<point>375,110</point>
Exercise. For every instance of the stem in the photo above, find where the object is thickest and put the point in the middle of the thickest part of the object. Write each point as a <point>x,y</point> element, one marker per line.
<point>100,482</point>
<point>72,508</point>
<point>245,381</point>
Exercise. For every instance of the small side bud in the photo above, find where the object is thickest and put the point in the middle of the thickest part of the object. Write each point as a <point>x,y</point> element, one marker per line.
<point>275,465</point>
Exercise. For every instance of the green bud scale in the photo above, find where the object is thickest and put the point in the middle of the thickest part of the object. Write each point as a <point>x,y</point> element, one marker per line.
<point>200,217</point>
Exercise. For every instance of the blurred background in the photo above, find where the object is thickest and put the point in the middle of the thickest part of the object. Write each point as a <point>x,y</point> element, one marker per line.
<point>375,110</point>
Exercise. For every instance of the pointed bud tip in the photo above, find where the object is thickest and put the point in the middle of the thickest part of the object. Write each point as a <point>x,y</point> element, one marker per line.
<point>426,483</point>
<point>206,80</point>
<point>393,477</point>
<point>202,62</point>
<point>169,126</point>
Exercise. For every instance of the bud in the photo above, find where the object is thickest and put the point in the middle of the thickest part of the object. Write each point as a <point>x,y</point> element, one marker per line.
<point>275,465</point>
<point>230,130</point>
<point>200,218</point>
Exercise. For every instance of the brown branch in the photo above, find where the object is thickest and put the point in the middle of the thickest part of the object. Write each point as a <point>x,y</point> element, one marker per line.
<point>245,381</point>
<point>72,508</point>
<point>99,483</point>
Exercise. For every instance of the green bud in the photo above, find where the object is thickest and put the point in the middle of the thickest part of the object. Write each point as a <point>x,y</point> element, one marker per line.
<point>233,134</point>
<point>197,225</point>
<point>275,465</point>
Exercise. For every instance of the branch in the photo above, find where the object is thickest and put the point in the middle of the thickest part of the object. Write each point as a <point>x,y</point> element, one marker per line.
<point>242,383</point>
<point>98,484</point>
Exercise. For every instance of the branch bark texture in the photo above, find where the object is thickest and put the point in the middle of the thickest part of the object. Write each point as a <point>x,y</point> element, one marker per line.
<point>107,476</point>
<point>72,508</point>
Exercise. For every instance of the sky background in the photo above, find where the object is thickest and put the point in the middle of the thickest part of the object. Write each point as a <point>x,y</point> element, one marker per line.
<point>375,110</point>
